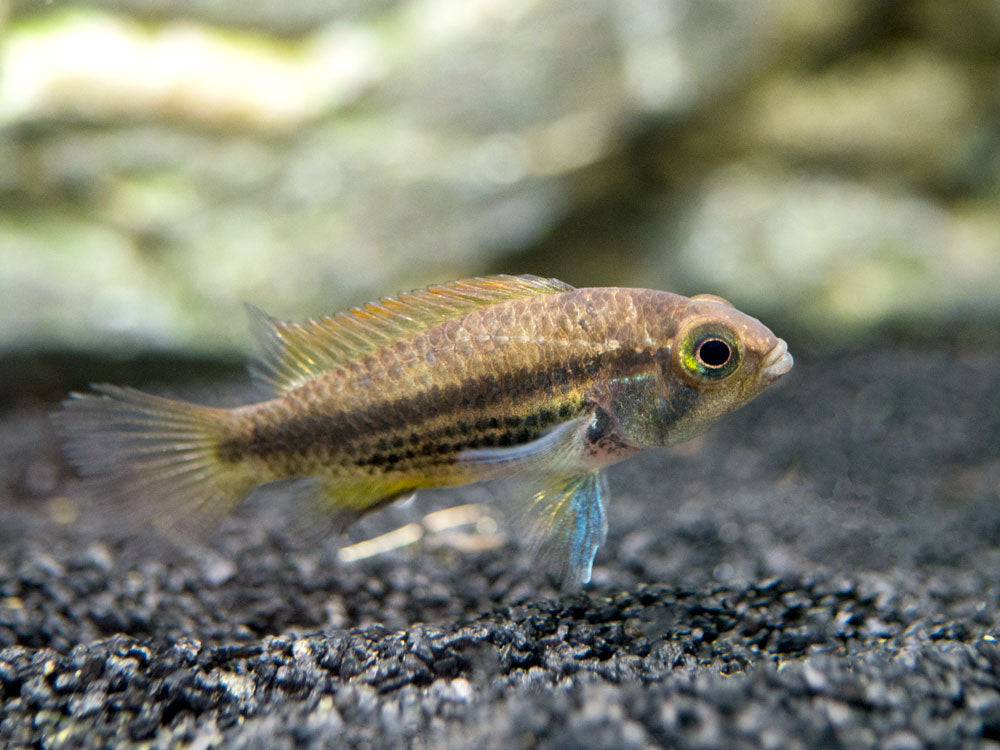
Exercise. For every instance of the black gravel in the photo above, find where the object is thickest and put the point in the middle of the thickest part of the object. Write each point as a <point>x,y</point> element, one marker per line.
<point>822,569</point>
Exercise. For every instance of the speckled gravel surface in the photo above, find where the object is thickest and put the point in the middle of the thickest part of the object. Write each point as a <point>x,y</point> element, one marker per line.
<point>822,569</point>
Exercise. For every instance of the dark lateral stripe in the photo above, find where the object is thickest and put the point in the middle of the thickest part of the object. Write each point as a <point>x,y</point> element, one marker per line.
<point>398,423</point>
<point>439,446</point>
<point>432,451</point>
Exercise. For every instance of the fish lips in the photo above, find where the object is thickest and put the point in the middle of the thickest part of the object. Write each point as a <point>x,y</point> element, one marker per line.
<point>777,362</point>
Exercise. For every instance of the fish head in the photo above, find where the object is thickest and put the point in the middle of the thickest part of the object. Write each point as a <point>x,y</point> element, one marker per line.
<point>726,351</point>
<point>714,359</point>
<point>720,358</point>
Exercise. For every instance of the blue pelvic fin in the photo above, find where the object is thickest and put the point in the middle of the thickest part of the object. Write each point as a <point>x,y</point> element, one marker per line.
<point>567,524</point>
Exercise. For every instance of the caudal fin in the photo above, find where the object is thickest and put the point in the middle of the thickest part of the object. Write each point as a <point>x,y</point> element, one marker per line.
<point>153,460</point>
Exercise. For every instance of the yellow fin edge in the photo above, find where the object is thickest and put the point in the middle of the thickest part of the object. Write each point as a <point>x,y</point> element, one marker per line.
<point>294,353</point>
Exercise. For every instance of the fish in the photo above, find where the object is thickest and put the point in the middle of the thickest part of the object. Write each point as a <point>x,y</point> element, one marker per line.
<point>460,382</point>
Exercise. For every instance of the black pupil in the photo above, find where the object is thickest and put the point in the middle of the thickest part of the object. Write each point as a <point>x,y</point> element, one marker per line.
<point>714,352</point>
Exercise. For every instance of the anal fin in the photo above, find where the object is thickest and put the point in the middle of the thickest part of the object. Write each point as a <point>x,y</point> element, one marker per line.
<point>344,501</point>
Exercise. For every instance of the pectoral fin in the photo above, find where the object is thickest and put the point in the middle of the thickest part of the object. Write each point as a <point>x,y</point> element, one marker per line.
<point>567,524</point>
<point>555,452</point>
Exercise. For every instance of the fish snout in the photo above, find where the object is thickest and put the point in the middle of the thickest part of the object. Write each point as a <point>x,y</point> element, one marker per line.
<point>777,362</point>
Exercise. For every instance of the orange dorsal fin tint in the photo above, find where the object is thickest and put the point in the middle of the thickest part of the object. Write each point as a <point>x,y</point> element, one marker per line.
<point>294,353</point>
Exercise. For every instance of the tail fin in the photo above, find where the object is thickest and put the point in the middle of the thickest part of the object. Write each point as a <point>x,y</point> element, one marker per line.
<point>153,460</point>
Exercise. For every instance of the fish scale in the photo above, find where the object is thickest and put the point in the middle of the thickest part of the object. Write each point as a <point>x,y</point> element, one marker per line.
<point>471,380</point>
<point>416,410</point>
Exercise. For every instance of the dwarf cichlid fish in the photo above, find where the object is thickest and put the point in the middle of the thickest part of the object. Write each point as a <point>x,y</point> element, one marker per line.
<point>467,381</point>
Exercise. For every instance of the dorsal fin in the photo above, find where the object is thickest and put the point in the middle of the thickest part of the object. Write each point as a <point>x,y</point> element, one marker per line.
<point>294,353</point>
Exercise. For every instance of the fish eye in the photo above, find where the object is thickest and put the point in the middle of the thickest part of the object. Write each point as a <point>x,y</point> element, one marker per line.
<point>710,354</point>
<point>713,352</point>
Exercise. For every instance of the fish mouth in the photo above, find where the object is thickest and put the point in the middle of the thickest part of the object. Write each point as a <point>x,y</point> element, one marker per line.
<point>777,362</point>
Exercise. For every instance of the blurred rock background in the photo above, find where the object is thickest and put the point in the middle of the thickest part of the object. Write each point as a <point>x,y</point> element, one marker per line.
<point>832,166</point>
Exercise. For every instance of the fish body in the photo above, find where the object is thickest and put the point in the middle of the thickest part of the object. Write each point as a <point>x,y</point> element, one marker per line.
<point>458,383</point>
